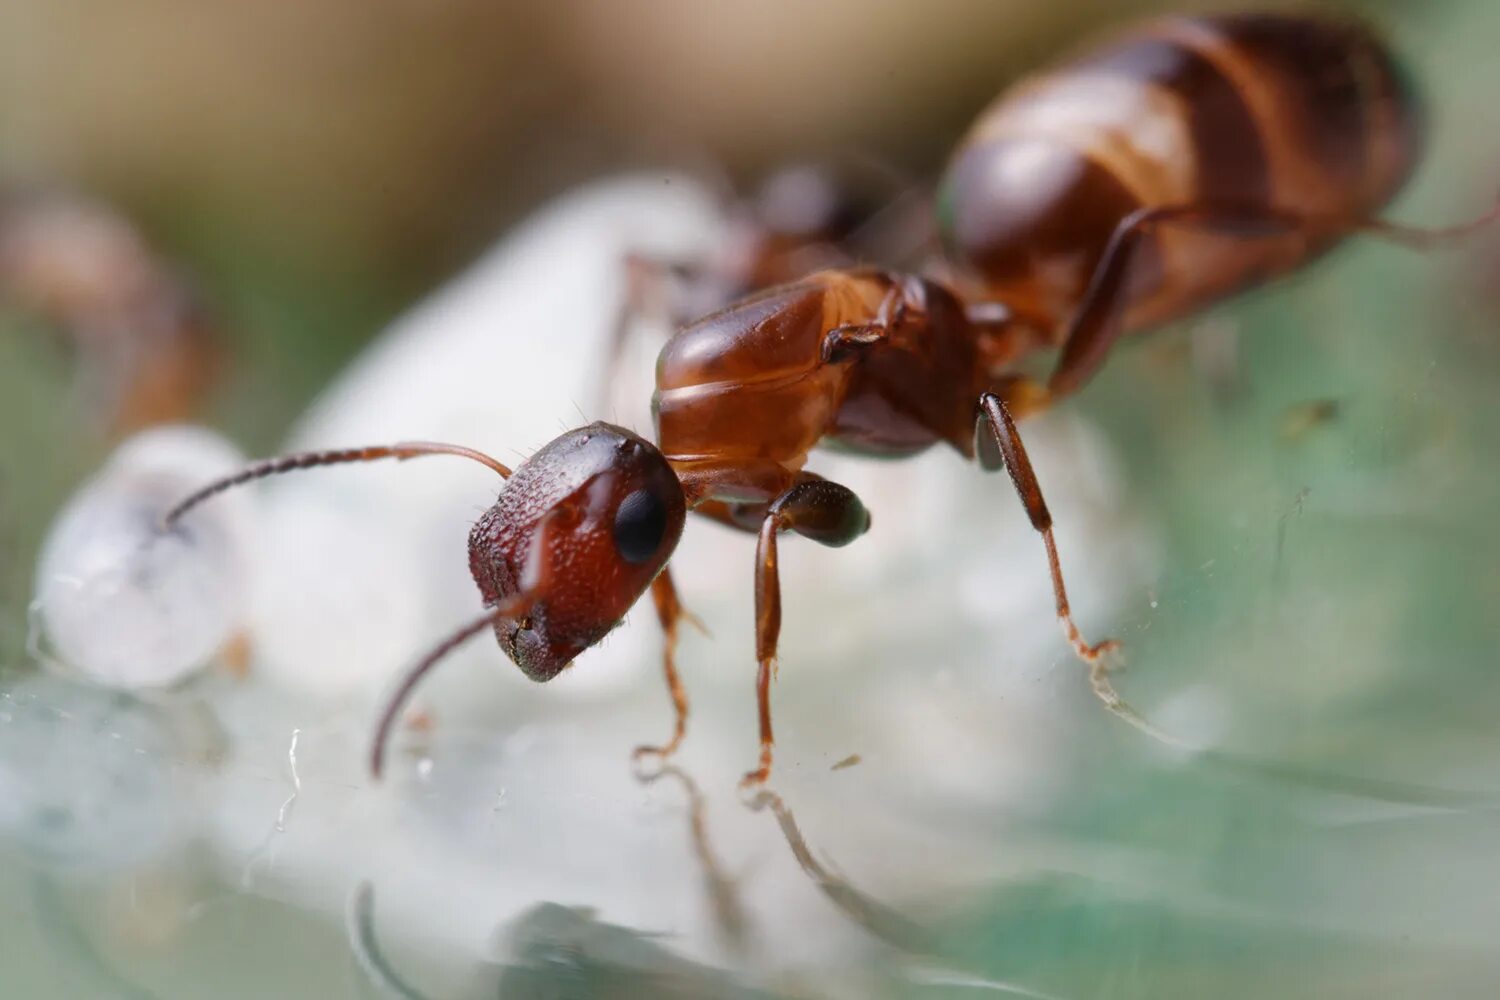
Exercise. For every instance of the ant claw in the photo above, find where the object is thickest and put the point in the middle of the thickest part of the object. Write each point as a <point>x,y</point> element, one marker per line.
<point>662,755</point>
<point>755,780</point>
<point>1108,656</point>
<point>1097,656</point>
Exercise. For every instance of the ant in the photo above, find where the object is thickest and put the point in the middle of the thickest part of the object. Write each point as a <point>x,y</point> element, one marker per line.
<point>1188,159</point>
<point>147,348</point>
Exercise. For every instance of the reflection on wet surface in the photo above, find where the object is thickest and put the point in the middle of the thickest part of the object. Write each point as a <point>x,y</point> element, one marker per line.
<point>534,862</point>
<point>881,921</point>
<point>568,951</point>
<point>719,886</point>
<point>72,947</point>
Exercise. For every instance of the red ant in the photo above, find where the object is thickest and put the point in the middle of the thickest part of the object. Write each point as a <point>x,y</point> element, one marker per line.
<point>1189,159</point>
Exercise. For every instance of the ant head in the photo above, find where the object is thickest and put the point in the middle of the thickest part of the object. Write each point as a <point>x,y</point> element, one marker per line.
<point>583,526</point>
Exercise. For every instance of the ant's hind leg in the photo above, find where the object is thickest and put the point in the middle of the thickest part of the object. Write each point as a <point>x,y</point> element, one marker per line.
<point>827,513</point>
<point>670,612</point>
<point>1099,319</point>
<point>1002,446</point>
<point>1097,323</point>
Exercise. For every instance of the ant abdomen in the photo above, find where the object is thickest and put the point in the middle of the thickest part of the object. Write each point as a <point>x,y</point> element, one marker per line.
<point>1305,115</point>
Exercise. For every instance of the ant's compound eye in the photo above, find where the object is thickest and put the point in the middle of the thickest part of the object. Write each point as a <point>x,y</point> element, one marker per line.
<point>640,523</point>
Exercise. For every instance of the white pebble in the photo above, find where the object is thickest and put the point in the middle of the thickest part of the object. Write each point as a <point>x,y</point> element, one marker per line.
<point>120,602</point>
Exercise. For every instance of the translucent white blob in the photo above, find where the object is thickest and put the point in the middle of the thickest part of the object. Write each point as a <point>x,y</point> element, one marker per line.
<point>121,602</point>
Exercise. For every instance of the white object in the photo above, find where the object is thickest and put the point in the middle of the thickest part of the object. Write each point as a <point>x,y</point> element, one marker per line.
<point>123,603</point>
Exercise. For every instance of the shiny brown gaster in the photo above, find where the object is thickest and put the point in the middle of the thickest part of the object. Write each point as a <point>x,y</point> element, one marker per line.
<point>1184,161</point>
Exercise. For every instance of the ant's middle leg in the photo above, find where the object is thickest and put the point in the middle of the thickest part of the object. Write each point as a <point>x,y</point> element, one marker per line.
<point>814,508</point>
<point>999,443</point>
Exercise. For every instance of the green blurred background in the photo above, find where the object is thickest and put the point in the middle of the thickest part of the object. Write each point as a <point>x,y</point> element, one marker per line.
<point>318,166</point>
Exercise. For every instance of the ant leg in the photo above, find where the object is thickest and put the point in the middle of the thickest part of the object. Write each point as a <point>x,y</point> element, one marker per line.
<point>1002,337</point>
<point>1008,450</point>
<point>902,235</point>
<point>901,303</point>
<point>760,478</point>
<point>827,513</point>
<point>649,283</point>
<point>670,613</point>
<point>1095,326</point>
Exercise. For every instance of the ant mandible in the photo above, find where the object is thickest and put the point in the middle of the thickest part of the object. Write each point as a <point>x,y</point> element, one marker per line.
<point>1189,159</point>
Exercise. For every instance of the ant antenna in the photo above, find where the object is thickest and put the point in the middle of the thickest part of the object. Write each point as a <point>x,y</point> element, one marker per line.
<point>517,605</point>
<point>536,580</point>
<point>312,459</point>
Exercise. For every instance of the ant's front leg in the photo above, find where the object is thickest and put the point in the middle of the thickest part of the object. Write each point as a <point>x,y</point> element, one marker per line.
<point>814,508</point>
<point>670,612</point>
<point>999,443</point>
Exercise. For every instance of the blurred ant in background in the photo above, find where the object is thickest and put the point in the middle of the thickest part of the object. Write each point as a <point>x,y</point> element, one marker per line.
<point>147,350</point>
